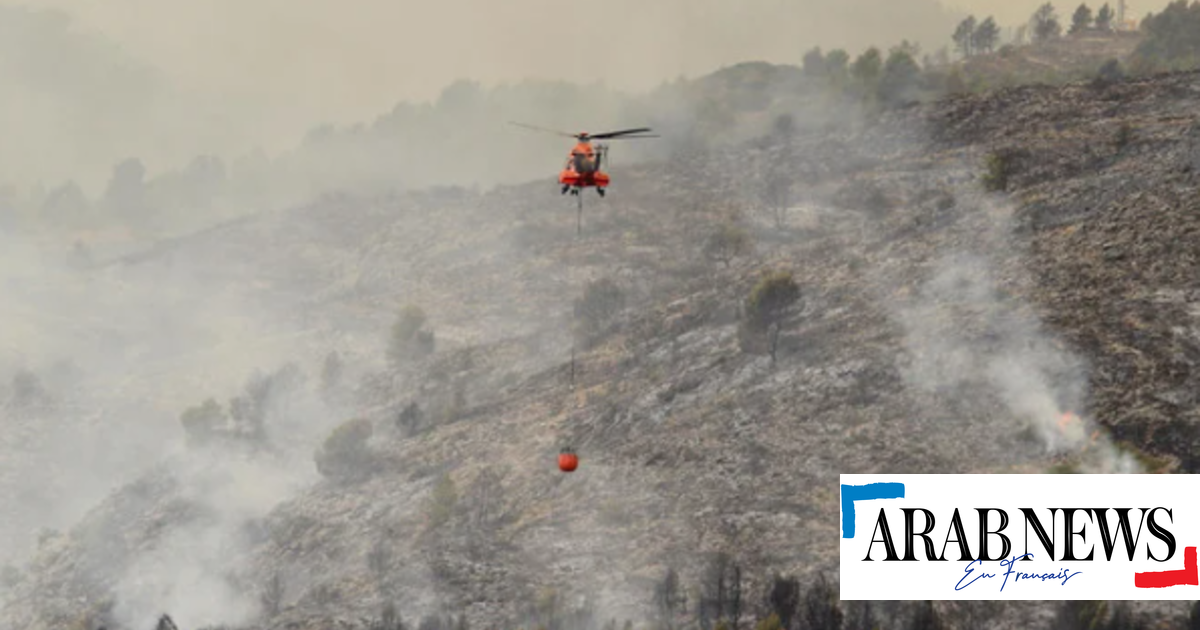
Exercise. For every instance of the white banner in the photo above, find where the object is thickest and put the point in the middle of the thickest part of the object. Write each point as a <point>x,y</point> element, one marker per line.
<point>1022,537</point>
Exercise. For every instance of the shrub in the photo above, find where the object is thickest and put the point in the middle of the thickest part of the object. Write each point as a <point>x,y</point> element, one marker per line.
<point>409,419</point>
<point>997,171</point>
<point>768,304</point>
<point>770,623</point>
<point>1110,72</point>
<point>442,502</point>
<point>344,456</point>
<point>727,243</point>
<point>410,340</point>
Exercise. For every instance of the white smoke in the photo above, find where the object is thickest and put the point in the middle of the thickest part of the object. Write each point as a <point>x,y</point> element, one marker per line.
<point>969,334</point>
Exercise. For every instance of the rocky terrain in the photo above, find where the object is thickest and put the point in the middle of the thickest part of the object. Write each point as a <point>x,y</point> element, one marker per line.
<point>970,271</point>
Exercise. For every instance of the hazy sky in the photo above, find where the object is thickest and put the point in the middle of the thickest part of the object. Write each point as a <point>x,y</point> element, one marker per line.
<point>351,59</point>
<point>263,72</point>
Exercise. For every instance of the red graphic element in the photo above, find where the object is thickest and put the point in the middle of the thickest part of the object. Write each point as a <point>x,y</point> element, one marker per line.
<point>1188,576</point>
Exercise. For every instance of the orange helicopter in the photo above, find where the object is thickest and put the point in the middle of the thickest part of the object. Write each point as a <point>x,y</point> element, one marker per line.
<point>583,167</point>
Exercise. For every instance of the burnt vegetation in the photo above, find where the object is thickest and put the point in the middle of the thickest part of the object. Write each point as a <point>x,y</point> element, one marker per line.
<point>671,307</point>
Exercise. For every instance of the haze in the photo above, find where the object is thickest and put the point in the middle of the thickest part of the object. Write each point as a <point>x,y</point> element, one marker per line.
<point>296,63</point>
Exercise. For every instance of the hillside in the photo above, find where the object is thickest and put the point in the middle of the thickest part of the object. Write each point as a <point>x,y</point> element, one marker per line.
<point>941,328</point>
<point>1073,57</point>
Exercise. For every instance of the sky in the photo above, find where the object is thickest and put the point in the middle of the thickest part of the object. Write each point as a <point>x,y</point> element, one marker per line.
<point>350,59</point>
<point>261,73</point>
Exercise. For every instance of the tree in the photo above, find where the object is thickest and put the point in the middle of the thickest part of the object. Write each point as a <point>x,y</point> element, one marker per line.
<point>768,305</point>
<point>987,35</point>
<point>409,339</point>
<point>912,49</point>
<point>821,608</point>
<point>784,600</point>
<point>868,66</point>
<point>1110,72</point>
<point>727,243</point>
<point>964,37</point>
<point>344,455</point>
<point>1104,18</point>
<point>409,419</point>
<point>837,63</point>
<point>901,75</point>
<point>1172,38</point>
<point>720,593</point>
<point>814,63</point>
<point>669,599</point>
<point>1081,20</point>
<point>1045,24</point>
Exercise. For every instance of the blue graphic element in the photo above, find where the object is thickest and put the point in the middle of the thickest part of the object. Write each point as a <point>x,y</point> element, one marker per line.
<point>869,492</point>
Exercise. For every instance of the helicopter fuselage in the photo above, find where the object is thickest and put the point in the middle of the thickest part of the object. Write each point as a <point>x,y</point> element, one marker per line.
<point>583,168</point>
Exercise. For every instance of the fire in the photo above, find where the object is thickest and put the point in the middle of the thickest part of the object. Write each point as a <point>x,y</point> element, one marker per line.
<point>1066,420</point>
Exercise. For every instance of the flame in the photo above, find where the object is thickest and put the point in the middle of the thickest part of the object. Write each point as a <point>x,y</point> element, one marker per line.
<point>1066,420</point>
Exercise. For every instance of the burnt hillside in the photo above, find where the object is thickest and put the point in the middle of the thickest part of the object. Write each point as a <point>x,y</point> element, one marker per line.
<point>971,272</point>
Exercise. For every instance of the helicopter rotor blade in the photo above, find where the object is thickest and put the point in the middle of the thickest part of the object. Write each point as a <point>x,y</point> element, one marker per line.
<point>616,134</point>
<point>553,131</point>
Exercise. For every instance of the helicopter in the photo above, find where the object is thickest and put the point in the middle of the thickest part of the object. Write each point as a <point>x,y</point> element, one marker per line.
<point>583,167</point>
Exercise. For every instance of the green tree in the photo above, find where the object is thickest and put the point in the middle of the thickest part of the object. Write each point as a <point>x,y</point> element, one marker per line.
<point>344,455</point>
<point>768,305</point>
<point>1081,20</point>
<point>1172,38</point>
<point>1045,24</point>
<point>964,37</point>
<point>901,76</point>
<point>409,339</point>
<point>1104,18</point>
<point>987,35</point>
<point>912,49</point>
<point>837,63</point>
<point>868,66</point>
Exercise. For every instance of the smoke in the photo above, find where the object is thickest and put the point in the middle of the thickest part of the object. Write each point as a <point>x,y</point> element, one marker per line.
<point>969,334</point>
<point>193,571</point>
